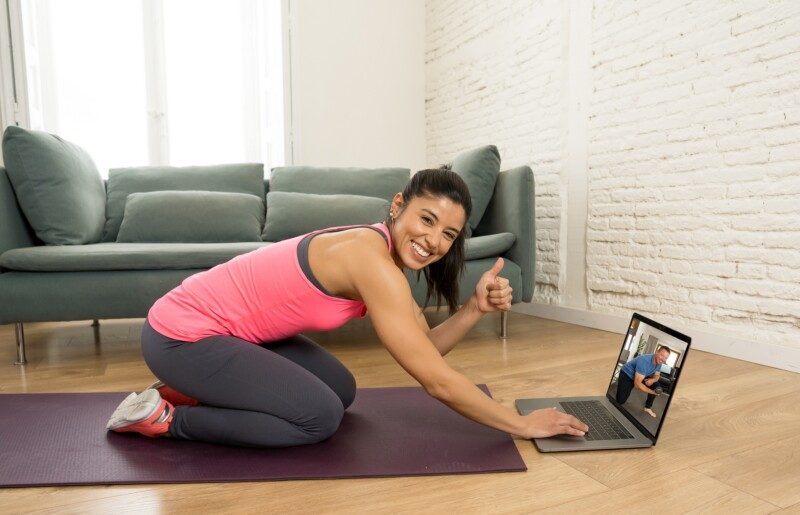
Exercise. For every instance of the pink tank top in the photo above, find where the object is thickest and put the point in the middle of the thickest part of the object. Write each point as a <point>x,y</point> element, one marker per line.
<point>260,296</point>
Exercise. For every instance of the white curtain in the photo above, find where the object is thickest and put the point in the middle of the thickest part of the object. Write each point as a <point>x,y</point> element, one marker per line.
<point>179,82</point>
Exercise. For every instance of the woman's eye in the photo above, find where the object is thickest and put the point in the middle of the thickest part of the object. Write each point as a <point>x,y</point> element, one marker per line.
<point>427,220</point>
<point>450,236</point>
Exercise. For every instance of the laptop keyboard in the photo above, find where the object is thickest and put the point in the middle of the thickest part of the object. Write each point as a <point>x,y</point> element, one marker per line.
<point>602,424</point>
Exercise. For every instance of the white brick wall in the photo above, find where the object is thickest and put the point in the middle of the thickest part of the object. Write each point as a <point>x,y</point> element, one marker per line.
<point>694,151</point>
<point>493,76</point>
<point>693,147</point>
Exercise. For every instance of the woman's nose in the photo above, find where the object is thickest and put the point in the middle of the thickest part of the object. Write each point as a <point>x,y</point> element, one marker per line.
<point>433,239</point>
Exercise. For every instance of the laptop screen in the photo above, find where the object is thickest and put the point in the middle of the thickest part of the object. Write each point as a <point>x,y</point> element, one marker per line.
<point>652,356</point>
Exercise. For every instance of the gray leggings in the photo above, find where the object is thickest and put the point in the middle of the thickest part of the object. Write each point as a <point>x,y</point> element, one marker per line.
<point>290,392</point>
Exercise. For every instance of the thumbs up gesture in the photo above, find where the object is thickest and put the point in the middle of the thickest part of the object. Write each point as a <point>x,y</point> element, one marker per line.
<point>493,293</point>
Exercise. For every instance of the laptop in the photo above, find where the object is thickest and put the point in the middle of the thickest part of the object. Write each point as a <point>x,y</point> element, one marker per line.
<point>625,417</point>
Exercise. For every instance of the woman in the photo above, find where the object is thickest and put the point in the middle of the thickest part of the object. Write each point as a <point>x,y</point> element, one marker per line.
<point>229,340</point>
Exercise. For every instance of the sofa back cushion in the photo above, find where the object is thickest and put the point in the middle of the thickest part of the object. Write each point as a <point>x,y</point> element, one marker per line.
<point>191,217</point>
<point>292,214</point>
<point>57,186</point>
<point>233,178</point>
<point>479,168</point>
<point>371,182</point>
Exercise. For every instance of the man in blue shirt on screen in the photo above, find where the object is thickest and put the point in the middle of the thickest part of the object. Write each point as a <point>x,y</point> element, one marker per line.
<point>641,373</point>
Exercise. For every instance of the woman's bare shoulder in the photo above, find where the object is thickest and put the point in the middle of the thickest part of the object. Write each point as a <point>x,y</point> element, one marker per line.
<point>360,260</point>
<point>358,241</point>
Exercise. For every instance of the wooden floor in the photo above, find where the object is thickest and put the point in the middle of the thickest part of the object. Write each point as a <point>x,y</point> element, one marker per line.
<point>731,443</point>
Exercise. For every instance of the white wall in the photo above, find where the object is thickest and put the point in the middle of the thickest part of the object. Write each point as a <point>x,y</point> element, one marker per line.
<point>691,131</point>
<point>494,76</point>
<point>694,164</point>
<point>358,82</point>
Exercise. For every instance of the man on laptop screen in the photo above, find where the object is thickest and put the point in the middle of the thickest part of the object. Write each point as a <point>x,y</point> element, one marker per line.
<point>647,404</point>
<point>642,384</point>
<point>642,373</point>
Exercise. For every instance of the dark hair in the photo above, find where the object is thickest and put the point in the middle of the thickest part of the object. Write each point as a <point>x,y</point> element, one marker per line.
<point>443,275</point>
<point>664,347</point>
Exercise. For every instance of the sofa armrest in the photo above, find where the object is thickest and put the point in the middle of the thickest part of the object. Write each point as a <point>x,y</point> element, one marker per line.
<point>14,229</point>
<point>512,210</point>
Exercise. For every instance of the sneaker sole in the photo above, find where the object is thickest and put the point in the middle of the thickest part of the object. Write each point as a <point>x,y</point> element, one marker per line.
<point>134,408</point>
<point>125,403</point>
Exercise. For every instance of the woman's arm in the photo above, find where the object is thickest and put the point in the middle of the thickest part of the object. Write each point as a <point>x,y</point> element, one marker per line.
<point>492,293</point>
<point>446,335</point>
<point>387,295</point>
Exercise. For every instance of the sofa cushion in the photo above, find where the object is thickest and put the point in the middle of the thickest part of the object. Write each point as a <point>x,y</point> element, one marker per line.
<point>52,296</point>
<point>172,256</point>
<point>235,178</point>
<point>191,217</point>
<point>292,214</point>
<point>479,169</point>
<point>371,182</point>
<point>492,245</point>
<point>123,256</point>
<point>57,186</point>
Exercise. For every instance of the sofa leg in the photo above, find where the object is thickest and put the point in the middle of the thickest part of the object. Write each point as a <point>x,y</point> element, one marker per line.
<point>20,344</point>
<point>504,324</point>
<point>96,332</point>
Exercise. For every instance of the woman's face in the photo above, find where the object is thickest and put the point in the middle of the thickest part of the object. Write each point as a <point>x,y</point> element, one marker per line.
<point>424,229</point>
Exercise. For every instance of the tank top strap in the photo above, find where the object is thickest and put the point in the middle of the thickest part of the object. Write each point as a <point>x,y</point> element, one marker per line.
<point>380,226</point>
<point>305,242</point>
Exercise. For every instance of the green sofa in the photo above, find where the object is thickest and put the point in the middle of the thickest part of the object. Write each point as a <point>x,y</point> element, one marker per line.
<point>127,260</point>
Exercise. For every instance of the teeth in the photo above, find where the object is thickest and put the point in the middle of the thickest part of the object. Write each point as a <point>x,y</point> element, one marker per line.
<point>422,252</point>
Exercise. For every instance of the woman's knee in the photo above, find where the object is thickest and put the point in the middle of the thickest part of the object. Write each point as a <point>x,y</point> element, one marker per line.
<point>347,390</point>
<point>322,420</point>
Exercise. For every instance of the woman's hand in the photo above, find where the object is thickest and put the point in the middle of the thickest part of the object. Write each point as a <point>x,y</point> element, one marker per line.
<point>550,422</point>
<point>493,293</point>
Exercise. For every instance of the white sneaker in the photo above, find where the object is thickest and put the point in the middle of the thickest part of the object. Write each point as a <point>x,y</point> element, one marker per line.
<point>146,413</point>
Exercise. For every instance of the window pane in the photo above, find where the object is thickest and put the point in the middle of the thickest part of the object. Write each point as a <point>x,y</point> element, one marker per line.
<point>205,49</point>
<point>214,74</point>
<point>85,70</point>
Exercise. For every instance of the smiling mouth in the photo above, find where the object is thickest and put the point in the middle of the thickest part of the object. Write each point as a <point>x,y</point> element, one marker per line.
<point>419,250</point>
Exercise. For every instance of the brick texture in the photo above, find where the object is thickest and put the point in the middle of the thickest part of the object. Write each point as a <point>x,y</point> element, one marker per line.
<point>694,163</point>
<point>493,76</point>
<point>693,147</point>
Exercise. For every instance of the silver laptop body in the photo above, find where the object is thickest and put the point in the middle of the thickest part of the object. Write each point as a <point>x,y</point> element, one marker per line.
<point>639,429</point>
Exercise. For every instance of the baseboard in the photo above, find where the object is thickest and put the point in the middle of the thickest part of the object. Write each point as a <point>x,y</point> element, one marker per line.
<point>776,356</point>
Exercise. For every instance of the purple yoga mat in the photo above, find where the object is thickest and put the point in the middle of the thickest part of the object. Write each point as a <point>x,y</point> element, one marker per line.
<point>60,439</point>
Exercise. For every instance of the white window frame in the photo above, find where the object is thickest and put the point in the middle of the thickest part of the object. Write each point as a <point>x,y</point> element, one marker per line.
<point>155,82</point>
<point>288,23</point>
<point>15,107</point>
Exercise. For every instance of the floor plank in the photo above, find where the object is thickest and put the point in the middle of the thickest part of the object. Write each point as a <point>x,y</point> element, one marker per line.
<point>770,472</point>
<point>680,492</point>
<point>791,510</point>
